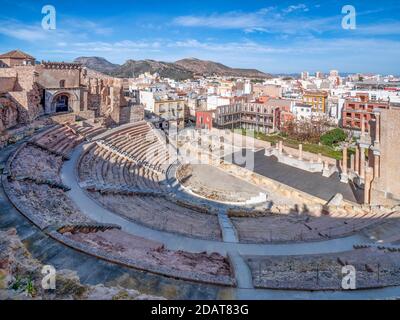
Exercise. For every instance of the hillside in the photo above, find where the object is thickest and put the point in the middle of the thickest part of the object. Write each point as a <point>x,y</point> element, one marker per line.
<point>164,69</point>
<point>97,64</point>
<point>202,67</point>
<point>179,70</point>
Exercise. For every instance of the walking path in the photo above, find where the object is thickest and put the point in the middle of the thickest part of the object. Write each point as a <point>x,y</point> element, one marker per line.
<point>229,246</point>
<point>172,241</point>
<point>229,233</point>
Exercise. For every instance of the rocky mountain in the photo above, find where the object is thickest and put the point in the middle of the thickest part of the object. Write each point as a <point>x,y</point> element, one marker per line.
<point>179,70</point>
<point>97,64</point>
<point>164,69</point>
<point>202,67</point>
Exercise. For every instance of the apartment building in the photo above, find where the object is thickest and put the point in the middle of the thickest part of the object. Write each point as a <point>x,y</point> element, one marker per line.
<point>263,117</point>
<point>317,99</point>
<point>170,108</point>
<point>361,108</point>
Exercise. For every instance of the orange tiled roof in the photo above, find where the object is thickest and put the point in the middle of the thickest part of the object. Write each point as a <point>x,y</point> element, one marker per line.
<point>16,54</point>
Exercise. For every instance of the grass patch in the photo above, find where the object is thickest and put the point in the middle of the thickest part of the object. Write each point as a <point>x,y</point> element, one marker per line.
<point>326,151</point>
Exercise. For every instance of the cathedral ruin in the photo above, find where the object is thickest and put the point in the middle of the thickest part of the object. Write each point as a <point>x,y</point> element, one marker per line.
<point>29,90</point>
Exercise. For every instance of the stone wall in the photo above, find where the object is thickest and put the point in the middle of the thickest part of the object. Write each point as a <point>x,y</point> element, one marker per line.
<point>25,95</point>
<point>386,188</point>
<point>271,185</point>
<point>7,84</point>
<point>8,114</point>
<point>50,78</point>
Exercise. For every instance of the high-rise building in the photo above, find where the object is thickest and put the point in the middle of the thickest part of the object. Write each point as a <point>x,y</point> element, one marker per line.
<point>334,73</point>
<point>305,75</point>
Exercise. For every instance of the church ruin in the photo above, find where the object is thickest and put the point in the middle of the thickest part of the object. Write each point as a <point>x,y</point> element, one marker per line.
<point>29,89</point>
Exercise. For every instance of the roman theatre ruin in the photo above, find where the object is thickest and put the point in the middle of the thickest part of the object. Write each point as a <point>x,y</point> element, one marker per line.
<point>191,214</point>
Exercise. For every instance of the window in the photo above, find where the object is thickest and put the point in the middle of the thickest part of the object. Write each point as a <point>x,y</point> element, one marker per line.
<point>62,84</point>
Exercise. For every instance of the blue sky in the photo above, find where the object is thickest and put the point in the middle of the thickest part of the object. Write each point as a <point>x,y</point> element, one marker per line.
<point>273,36</point>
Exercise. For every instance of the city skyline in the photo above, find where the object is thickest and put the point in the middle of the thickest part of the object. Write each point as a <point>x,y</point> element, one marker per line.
<point>274,37</point>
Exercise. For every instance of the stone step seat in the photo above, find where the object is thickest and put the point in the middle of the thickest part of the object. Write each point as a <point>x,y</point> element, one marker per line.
<point>53,137</point>
<point>86,164</point>
<point>67,147</point>
<point>335,223</point>
<point>133,132</point>
<point>60,139</point>
<point>152,209</point>
<point>387,231</point>
<point>118,189</point>
<point>115,169</point>
<point>98,165</point>
<point>357,225</point>
<point>54,131</point>
<point>94,132</point>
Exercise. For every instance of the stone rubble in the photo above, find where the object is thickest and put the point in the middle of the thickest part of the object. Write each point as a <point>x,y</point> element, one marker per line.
<point>20,278</point>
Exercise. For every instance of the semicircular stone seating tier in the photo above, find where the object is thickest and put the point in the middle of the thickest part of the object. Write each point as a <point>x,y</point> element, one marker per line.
<point>132,160</point>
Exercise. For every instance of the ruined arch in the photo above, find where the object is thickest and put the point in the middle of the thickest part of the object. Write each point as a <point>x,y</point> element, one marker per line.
<point>63,101</point>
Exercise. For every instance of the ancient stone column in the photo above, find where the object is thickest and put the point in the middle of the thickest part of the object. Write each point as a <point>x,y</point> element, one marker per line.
<point>376,166</point>
<point>357,160</point>
<point>325,171</point>
<point>362,163</point>
<point>280,147</point>
<point>367,185</point>
<point>344,177</point>
<point>300,152</point>
<point>352,162</point>
<point>344,169</point>
<point>362,125</point>
<point>377,128</point>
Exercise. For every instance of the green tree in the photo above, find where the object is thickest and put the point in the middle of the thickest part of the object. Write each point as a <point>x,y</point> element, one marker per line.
<point>333,137</point>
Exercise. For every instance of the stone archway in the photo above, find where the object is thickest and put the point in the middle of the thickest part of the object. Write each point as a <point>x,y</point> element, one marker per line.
<point>61,103</point>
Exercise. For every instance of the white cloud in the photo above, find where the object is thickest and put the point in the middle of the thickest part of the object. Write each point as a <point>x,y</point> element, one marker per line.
<point>269,20</point>
<point>69,29</point>
<point>298,7</point>
<point>389,28</point>
<point>346,54</point>
<point>20,31</point>
<point>274,21</point>
<point>85,26</point>
<point>230,20</point>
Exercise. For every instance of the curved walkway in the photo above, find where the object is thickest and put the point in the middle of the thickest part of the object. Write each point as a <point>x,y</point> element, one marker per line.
<point>228,247</point>
<point>179,242</point>
<point>176,242</point>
